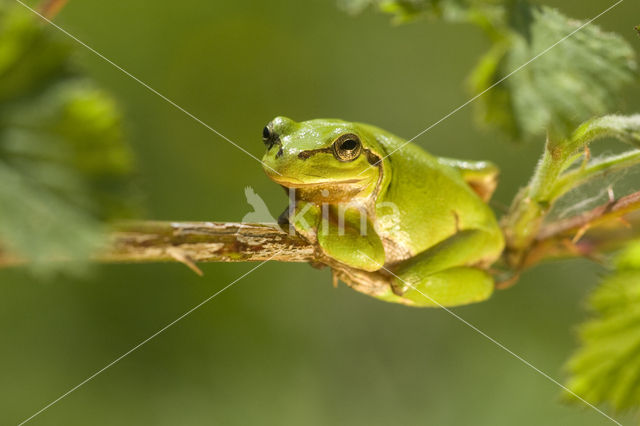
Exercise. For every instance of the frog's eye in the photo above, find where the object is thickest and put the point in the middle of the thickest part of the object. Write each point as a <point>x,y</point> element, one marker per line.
<point>268,136</point>
<point>347,147</point>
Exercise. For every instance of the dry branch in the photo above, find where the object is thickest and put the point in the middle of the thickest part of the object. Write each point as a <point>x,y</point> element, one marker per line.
<point>605,228</point>
<point>149,241</point>
<point>192,242</point>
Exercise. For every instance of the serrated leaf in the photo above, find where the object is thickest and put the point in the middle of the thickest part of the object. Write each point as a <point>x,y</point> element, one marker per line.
<point>578,78</point>
<point>64,165</point>
<point>606,367</point>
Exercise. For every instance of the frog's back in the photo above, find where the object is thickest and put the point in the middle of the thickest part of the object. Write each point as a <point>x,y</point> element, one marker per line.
<point>425,201</point>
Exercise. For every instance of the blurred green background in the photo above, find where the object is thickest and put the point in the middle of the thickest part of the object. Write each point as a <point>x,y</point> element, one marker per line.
<point>282,347</point>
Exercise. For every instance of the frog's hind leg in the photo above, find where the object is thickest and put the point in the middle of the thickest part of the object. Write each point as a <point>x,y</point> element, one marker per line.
<point>481,176</point>
<point>452,287</point>
<point>449,273</point>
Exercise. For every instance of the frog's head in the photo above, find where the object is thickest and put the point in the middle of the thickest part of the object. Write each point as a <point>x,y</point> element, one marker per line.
<point>324,160</point>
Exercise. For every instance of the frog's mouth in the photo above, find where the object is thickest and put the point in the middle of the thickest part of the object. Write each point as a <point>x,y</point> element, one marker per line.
<point>318,184</point>
<point>328,191</point>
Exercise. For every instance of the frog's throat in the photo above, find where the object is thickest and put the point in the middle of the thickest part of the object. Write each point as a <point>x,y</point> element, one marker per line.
<point>329,192</point>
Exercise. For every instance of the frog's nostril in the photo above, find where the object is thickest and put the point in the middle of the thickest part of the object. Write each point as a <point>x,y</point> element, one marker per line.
<point>280,152</point>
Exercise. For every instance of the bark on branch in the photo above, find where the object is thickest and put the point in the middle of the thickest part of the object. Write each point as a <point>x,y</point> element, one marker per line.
<point>192,242</point>
<point>150,241</point>
<point>153,241</point>
<point>605,228</point>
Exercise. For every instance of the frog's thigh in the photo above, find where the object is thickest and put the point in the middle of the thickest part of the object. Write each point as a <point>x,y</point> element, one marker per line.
<point>468,247</point>
<point>442,274</point>
<point>450,287</point>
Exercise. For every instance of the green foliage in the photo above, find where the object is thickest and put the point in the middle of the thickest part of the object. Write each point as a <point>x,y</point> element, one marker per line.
<point>562,169</point>
<point>606,368</point>
<point>64,166</point>
<point>575,80</point>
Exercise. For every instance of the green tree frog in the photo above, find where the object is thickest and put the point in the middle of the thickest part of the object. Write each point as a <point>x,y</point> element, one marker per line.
<point>380,209</point>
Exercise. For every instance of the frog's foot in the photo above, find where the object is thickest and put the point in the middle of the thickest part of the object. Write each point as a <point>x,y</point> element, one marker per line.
<point>451,287</point>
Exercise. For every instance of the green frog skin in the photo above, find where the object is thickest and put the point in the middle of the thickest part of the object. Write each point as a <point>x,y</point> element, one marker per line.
<point>420,222</point>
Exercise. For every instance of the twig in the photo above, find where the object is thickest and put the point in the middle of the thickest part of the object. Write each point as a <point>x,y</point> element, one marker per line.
<point>605,213</point>
<point>522,224</point>
<point>149,241</point>
<point>193,242</point>
<point>600,230</point>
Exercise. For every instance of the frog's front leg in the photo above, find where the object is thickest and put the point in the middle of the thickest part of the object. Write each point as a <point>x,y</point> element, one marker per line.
<point>343,233</point>
<point>449,273</point>
<point>346,235</point>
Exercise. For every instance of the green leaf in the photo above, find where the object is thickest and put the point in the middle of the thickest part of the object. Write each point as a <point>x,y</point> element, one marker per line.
<point>606,367</point>
<point>64,165</point>
<point>578,78</point>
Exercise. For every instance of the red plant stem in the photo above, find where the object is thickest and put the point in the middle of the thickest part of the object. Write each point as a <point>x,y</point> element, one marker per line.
<point>50,8</point>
